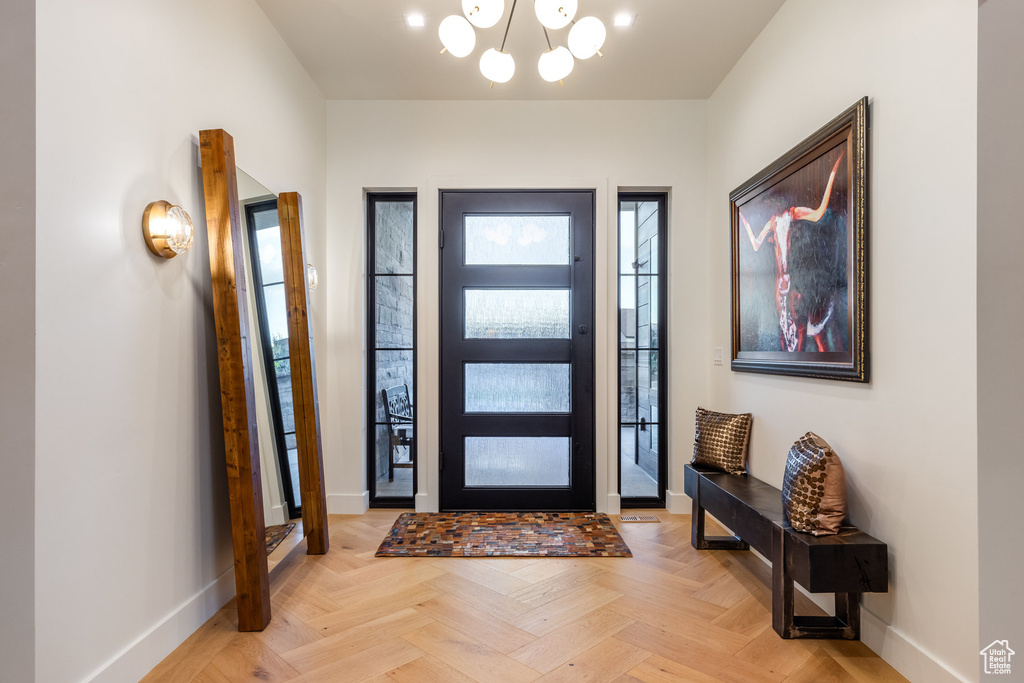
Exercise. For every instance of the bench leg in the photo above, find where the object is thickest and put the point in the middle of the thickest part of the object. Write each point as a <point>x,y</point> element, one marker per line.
<point>848,614</point>
<point>700,542</point>
<point>782,586</point>
<point>844,625</point>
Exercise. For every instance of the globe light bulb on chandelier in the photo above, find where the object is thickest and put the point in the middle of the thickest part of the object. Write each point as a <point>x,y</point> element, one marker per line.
<point>457,35</point>
<point>497,66</point>
<point>483,13</point>
<point>555,64</point>
<point>555,14</point>
<point>586,37</point>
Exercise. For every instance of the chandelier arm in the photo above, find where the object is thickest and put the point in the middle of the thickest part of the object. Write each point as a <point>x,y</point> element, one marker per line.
<point>546,37</point>
<point>511,12</point>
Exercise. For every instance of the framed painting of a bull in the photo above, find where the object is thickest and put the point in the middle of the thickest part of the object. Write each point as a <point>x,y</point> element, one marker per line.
<point>799,258</point>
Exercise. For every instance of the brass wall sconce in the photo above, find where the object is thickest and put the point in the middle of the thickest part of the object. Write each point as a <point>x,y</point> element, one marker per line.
<point>167,229</point>
<point>312,279</point>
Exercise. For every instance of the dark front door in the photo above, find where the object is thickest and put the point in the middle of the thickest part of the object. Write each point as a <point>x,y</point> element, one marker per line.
<point>517,350</point>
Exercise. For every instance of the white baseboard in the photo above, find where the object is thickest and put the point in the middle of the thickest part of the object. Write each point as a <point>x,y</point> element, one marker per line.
<point>277,515</point>
<point>426,502</point>
<point>897,650</point>
<point>677,503</point>
<point>348,503</point>
<point>613,504</point>
<point>138,658</point>
<point>902,654</point>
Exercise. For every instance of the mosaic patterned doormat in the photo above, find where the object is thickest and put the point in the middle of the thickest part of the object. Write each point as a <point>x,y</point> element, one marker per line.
<point>503,534</point>
<point>276,534</point>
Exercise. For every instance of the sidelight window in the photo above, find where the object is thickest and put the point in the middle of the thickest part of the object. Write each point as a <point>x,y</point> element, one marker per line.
<point>391,348</point>
<point>642,453</point>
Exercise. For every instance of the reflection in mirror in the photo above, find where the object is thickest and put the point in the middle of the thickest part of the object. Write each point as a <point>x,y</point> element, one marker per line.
<point>272,373</point>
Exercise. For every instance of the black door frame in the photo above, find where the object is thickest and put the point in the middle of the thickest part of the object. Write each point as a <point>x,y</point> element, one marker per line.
<point>372,390</point>
<point>661,198</point>
<point>580,423</point>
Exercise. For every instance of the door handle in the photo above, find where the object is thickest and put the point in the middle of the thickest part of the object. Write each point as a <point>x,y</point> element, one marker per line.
<point>583,329</point>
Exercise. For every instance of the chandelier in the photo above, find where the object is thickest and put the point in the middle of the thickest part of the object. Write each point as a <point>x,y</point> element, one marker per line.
<point>584,41</point>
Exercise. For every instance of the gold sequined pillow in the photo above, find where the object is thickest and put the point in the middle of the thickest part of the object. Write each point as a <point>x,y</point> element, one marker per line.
<point>721,441</point>
<point>814,487</point>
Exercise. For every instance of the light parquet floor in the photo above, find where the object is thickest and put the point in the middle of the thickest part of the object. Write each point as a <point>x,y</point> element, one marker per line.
<point>669,613</point>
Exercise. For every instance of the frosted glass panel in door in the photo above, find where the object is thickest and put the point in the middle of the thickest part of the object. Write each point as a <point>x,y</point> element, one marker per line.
<point>517,240</point>
<point>508,461</point>
<point>518,388</point>
<point>517,314</point>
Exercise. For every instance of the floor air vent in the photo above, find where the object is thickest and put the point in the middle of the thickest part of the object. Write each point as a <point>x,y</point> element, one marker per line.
<point>639,518</point>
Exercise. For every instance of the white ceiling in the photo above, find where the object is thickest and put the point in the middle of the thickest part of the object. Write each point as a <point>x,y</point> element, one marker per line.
<point>362,50</point>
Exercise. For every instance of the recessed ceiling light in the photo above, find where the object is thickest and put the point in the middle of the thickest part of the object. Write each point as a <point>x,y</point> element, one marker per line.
<point>415,20</point>
<point>624,19</point>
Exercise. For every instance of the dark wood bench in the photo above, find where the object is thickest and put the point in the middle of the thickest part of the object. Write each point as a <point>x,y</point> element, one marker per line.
<point>846,564</point>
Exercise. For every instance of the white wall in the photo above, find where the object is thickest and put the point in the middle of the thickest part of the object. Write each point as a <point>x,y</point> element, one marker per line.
<point>17,361</point>
<point>427,146</point>
<point>133,548</point>
<point>907,439</point>
<point>1000,281</point>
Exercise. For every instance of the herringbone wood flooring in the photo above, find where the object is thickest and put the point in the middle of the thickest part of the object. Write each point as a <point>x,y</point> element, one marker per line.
<point>669,613</point>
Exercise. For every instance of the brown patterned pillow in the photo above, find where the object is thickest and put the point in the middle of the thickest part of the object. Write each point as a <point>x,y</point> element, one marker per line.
<point>814,487</point>
<point>721,441</point>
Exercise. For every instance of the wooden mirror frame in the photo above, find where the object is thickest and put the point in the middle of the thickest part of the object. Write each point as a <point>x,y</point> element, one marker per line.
<point>231,320</point>
<point>303,367</point>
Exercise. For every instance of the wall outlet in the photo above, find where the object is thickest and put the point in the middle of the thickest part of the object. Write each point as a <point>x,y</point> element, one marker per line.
<point>718,354</point>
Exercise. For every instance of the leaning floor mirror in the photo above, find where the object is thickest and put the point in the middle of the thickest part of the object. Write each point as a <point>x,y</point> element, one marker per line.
<point>259,262</point>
